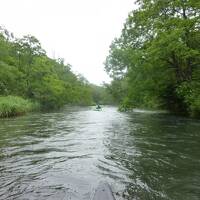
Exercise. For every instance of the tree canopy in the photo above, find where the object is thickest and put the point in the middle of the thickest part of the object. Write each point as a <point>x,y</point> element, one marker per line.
<point>157,56</point>
<point>26,71</point>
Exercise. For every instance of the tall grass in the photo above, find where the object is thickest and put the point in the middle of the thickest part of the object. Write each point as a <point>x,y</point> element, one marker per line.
<point>11,106</point>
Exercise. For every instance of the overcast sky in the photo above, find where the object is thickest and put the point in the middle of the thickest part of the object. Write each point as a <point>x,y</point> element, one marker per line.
<point>80,31</point>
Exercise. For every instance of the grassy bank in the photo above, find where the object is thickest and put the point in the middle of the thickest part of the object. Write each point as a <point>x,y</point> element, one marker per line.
<point>11,106</point>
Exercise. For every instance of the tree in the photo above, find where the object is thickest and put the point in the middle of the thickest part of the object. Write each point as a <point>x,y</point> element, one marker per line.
<point>158,52</point>
<point>26,70</point>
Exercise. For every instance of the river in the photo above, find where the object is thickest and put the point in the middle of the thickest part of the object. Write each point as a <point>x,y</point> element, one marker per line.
<point>65,154</point>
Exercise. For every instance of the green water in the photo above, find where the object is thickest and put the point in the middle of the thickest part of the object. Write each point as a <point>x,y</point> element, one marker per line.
<point>64,155</point>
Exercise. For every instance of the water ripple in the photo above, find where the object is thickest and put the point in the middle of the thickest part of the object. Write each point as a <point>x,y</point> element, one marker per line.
<point>64,155</point>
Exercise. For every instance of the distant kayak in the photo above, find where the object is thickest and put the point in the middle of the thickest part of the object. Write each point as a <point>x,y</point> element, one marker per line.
<point>98,109</point>
<point>103,192</point>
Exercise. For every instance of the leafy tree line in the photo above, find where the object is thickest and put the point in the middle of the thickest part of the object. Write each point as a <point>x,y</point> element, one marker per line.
<point>155,63</point>
<point>101,95</point>
<point>26,71</point>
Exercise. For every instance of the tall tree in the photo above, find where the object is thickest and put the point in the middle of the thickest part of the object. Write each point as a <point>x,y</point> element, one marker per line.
<point>158,53</point>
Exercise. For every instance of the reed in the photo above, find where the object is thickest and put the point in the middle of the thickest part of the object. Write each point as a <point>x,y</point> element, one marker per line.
<point>11,106</point>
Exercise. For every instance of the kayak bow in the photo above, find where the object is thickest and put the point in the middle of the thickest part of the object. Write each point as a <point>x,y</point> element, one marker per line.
<point>103,192</point>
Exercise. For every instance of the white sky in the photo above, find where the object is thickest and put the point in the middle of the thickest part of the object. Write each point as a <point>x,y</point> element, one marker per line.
<point>80,31</point>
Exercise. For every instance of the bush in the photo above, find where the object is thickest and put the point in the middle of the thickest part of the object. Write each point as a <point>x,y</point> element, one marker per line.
<point>190,92</point>
<point>13,106</point>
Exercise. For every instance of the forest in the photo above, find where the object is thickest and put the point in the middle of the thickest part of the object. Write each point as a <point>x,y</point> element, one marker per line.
<point>155,63</point>
<point>30,80</point>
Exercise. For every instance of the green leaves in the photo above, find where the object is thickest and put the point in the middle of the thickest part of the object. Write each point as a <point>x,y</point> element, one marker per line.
<point>12,106</point>
<point>25,70</point>
<point>159,49</point>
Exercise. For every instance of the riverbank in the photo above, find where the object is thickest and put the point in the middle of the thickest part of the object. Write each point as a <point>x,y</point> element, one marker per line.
<point>192,112</point>
<point>11,106</point>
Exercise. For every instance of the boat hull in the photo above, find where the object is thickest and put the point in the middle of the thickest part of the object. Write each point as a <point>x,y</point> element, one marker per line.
<point>103,192</point>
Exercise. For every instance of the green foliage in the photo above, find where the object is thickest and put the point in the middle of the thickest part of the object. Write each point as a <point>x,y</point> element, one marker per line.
<point>12,80</point>
<point>26,71</point>
<point>101,95</point>
<point>117,89</point>
<point>12,106</point>
<point>157,53</point>
<point>190,92</point>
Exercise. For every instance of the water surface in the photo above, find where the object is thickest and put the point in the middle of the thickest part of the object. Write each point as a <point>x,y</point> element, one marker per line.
<point>64,155</point>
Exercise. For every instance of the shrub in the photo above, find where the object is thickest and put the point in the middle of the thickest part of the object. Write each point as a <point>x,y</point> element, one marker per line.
<point>13,106</point>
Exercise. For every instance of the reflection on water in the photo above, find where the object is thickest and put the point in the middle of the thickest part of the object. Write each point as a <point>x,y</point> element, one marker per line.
<point>64,155</point>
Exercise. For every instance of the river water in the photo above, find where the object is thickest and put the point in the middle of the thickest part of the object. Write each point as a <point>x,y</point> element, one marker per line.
<point>65,154</point>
